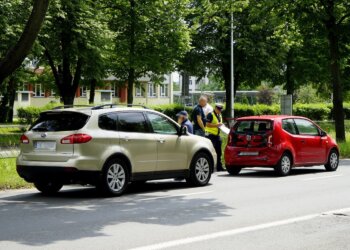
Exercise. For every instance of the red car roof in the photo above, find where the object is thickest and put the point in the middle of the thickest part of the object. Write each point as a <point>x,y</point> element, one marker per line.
<point>268,117</point>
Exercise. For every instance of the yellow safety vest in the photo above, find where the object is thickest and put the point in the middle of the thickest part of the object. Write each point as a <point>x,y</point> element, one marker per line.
<point>213,131</point>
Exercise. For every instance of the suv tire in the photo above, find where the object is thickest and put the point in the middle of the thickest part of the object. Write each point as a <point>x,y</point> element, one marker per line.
<point>115,177</point>
<point>284,165</point>
<point>333,161</point>
<point>48,187</point>
<point>233,170</point>
<point>200,170</point>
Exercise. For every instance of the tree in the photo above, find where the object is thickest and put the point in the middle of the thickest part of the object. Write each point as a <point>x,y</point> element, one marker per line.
<point>17,52</point>
<point>73,44</point>
<point>257,52</point>
<point>151,37</point>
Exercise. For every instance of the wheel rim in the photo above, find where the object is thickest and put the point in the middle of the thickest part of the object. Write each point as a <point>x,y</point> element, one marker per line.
<point>333,160</point>
<point>202,169</point>
<point>116,177</point>
<point>285,164</point>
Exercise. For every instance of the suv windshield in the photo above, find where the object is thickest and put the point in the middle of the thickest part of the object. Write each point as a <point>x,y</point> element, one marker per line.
<point>59,121</point>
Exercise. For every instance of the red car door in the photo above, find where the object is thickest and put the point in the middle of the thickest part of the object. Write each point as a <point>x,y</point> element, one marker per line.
<point>294,139</point>
<point>312,145</point>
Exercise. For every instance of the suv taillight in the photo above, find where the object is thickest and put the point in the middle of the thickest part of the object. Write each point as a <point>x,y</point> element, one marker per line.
<point>24,139</point>
<point>76,139</point>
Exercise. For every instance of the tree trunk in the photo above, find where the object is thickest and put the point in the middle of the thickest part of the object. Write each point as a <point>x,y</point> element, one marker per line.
<point>131,73</point>
<point>4,104</point>
<point>333,40</point>
<point>185,90</point>
<point>131,81</point>
<point>12,96</point>
<point>15,56</point>
<point>92,91</point>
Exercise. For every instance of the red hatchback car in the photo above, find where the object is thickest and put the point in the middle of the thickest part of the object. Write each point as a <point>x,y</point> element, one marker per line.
<point>280,142</point>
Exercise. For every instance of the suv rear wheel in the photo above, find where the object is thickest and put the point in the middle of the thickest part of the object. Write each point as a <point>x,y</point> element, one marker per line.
<point>48,187</point>
<point>200,171</point>
<point>333,161</point>
<point>115,177</point>
<point>284,166</point>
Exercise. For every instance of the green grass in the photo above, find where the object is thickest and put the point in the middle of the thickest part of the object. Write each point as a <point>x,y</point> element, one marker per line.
<point>9,136</point>
<point>9,178</point>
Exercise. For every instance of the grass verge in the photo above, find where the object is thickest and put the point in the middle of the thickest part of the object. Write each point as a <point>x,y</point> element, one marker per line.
<point>9,179</point>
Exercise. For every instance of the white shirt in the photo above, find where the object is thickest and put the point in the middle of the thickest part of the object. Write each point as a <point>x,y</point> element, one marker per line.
<point>207,109</point>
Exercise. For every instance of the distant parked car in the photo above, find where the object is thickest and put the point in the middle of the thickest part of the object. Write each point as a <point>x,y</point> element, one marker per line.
<point>280,142</point>
<point>108,147</point>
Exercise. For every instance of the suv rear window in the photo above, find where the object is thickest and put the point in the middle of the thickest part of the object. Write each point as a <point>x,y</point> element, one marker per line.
<point>251,133</point>
<point>60,121</point>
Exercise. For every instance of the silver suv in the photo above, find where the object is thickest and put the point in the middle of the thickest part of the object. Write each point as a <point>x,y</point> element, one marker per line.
<point>110,146</point>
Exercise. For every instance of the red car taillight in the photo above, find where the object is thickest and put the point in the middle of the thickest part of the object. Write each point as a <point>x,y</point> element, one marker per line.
<point>269,141</point>
<point>24,139</point>
<point>76,139</point>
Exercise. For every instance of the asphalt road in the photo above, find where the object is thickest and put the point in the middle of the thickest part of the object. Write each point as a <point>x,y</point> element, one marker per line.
<point>257,210</point>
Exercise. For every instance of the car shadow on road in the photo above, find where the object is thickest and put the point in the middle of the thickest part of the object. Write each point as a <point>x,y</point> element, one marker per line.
<point>30,218</point>
<point>270,173</point>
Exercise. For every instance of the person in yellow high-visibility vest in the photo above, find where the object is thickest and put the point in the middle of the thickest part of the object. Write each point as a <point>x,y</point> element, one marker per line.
<point>212,131</point>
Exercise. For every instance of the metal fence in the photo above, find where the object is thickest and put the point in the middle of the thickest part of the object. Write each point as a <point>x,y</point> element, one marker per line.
<point>9,140</point>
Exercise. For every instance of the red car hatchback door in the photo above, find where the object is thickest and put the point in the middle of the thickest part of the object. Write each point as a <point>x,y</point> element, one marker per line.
<point>313,146</point>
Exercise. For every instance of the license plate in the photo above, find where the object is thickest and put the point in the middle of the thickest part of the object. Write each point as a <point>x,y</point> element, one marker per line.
<point>45,145</point>
<point>249,153</point>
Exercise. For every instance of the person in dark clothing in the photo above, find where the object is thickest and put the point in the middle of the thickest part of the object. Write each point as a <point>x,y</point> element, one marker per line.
<point>182,119</point>
<point>198,117</point>
<point>212,130</point>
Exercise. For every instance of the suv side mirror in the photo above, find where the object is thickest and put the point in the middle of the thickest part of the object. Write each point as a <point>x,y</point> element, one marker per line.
<point>323,134</point>
<point>183,130</point>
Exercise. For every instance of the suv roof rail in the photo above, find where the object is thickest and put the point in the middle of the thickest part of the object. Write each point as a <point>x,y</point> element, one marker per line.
<point>116,105</point>
<point>71,106</point>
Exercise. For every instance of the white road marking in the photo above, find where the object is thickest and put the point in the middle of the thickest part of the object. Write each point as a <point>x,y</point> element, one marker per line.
<point>174,195</point>
<point>190,240</point>
<point>322,177</point>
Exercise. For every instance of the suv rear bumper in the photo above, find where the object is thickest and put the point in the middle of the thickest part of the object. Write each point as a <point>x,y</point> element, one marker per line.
<point>65,175</point>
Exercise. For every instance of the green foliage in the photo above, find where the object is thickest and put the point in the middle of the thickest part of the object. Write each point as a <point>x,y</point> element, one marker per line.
<point>318,112</point>
<point>307,94</point>
<point>28,115</point>
<point>9,179</point>
<point>172,109</point>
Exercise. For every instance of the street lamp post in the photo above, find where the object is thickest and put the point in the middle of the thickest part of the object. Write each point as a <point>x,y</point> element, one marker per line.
<point>232,70</point>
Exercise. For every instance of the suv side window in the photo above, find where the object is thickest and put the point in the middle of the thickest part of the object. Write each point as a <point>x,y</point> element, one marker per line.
<point>161,125</point>
<point>306,127</point>
<point>132,122</point>
<point>289,126</point>
<point>108,121</point>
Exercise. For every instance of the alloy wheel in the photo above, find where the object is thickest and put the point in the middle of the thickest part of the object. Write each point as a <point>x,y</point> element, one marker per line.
<point>285,164</point>
<point>202,169</point>
<point>116,177</point>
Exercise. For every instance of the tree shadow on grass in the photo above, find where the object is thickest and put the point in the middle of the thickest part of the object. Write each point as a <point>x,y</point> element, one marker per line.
<point>35,220</point>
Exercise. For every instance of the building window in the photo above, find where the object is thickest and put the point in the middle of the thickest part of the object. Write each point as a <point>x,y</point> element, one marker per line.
<point>114,90</point>
<point>25,97</point>
<point>83,91</point>
<point>38,92</point>
<point>106,96</point>
<point>152,90</point>
<point>164,90</point>
<point>25,87</point>
<point>191,82</point>
<point>139,91</point>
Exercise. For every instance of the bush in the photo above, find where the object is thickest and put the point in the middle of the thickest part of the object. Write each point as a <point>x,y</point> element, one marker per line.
<point>172,109</point>
<point>318,112</point>
<point>28,115</point>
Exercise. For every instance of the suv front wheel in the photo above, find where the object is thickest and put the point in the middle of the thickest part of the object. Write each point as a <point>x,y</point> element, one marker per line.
<point>200,170</point>
<point>115,177</point>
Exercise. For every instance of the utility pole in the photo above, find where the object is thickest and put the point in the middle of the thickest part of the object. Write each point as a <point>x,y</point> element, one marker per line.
<point>232,70</point>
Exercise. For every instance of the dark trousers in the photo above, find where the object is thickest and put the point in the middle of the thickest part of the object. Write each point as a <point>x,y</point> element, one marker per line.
<point>216,140</point>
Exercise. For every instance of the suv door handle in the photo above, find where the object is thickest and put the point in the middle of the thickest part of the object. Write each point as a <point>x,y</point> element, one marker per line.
<point>161,140</point>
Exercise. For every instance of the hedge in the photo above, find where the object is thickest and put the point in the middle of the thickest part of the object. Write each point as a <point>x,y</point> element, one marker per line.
<point>318,112</point>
